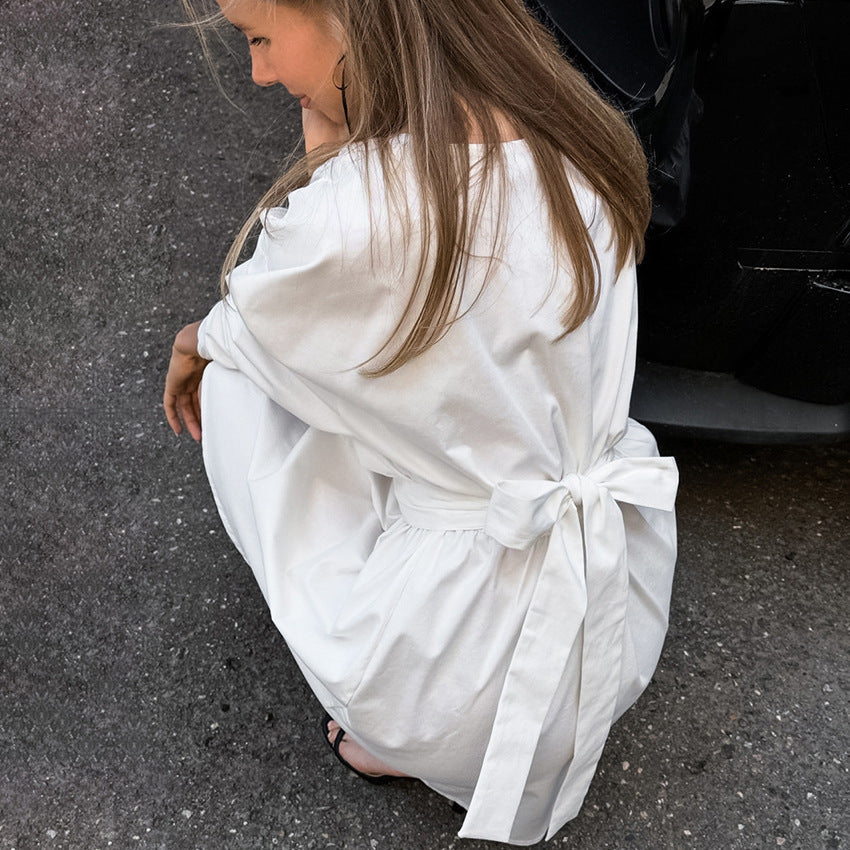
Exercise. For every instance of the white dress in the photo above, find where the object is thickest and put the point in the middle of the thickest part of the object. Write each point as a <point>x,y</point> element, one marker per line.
<point>471,557</point>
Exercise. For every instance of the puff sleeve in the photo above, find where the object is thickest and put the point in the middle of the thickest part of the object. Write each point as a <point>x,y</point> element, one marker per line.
<point>313,303</point>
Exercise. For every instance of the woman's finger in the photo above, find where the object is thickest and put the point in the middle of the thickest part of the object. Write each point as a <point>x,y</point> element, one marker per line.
<point>196,404</point>
<point>169,402</point>
<point>190,419</point>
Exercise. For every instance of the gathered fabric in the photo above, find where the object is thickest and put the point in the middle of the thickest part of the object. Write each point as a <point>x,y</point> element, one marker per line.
<point>581,594</point>
<point>470,558</point>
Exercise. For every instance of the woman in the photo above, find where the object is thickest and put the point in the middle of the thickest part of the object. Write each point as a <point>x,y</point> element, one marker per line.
<point>416,417</point>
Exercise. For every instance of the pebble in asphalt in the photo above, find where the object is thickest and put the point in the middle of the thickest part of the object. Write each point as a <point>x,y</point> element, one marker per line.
<point>147,701</point>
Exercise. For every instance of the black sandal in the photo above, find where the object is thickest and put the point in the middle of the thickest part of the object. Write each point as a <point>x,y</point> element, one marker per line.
<point>381,779</point>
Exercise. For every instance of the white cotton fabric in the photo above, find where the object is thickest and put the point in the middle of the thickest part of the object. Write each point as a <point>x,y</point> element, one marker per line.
<point>471,557</point>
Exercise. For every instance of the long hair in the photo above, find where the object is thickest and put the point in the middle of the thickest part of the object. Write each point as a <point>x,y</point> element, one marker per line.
<point>436,69</point>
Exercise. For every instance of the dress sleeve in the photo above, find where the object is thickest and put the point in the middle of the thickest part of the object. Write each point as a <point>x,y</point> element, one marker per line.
<point>315,301</point>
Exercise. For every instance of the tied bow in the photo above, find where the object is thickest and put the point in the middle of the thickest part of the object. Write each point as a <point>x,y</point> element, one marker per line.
<point>580,596</point>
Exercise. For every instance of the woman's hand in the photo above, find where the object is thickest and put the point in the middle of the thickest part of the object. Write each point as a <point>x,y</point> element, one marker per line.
<point>181,399</point>
<point>318,129</point>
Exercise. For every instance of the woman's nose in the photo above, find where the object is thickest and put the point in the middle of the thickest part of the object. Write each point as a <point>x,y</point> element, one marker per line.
<point>261,73</point>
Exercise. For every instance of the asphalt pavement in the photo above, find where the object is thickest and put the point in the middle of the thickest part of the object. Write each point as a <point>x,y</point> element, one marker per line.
<point>146,700</point>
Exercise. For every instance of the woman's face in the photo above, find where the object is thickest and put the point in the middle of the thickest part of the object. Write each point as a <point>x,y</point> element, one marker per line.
<point>300,51</point>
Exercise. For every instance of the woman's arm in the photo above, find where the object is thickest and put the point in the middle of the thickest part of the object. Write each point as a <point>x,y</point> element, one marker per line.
<point>181,398</point>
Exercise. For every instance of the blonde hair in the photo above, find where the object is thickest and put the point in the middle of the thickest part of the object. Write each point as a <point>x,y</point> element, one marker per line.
<point>455,62</point>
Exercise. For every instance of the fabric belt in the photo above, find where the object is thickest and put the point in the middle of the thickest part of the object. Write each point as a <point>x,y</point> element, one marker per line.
<point>581,590</point>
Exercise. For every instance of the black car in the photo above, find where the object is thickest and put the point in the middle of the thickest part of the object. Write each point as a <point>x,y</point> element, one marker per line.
<point>744,111</point>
